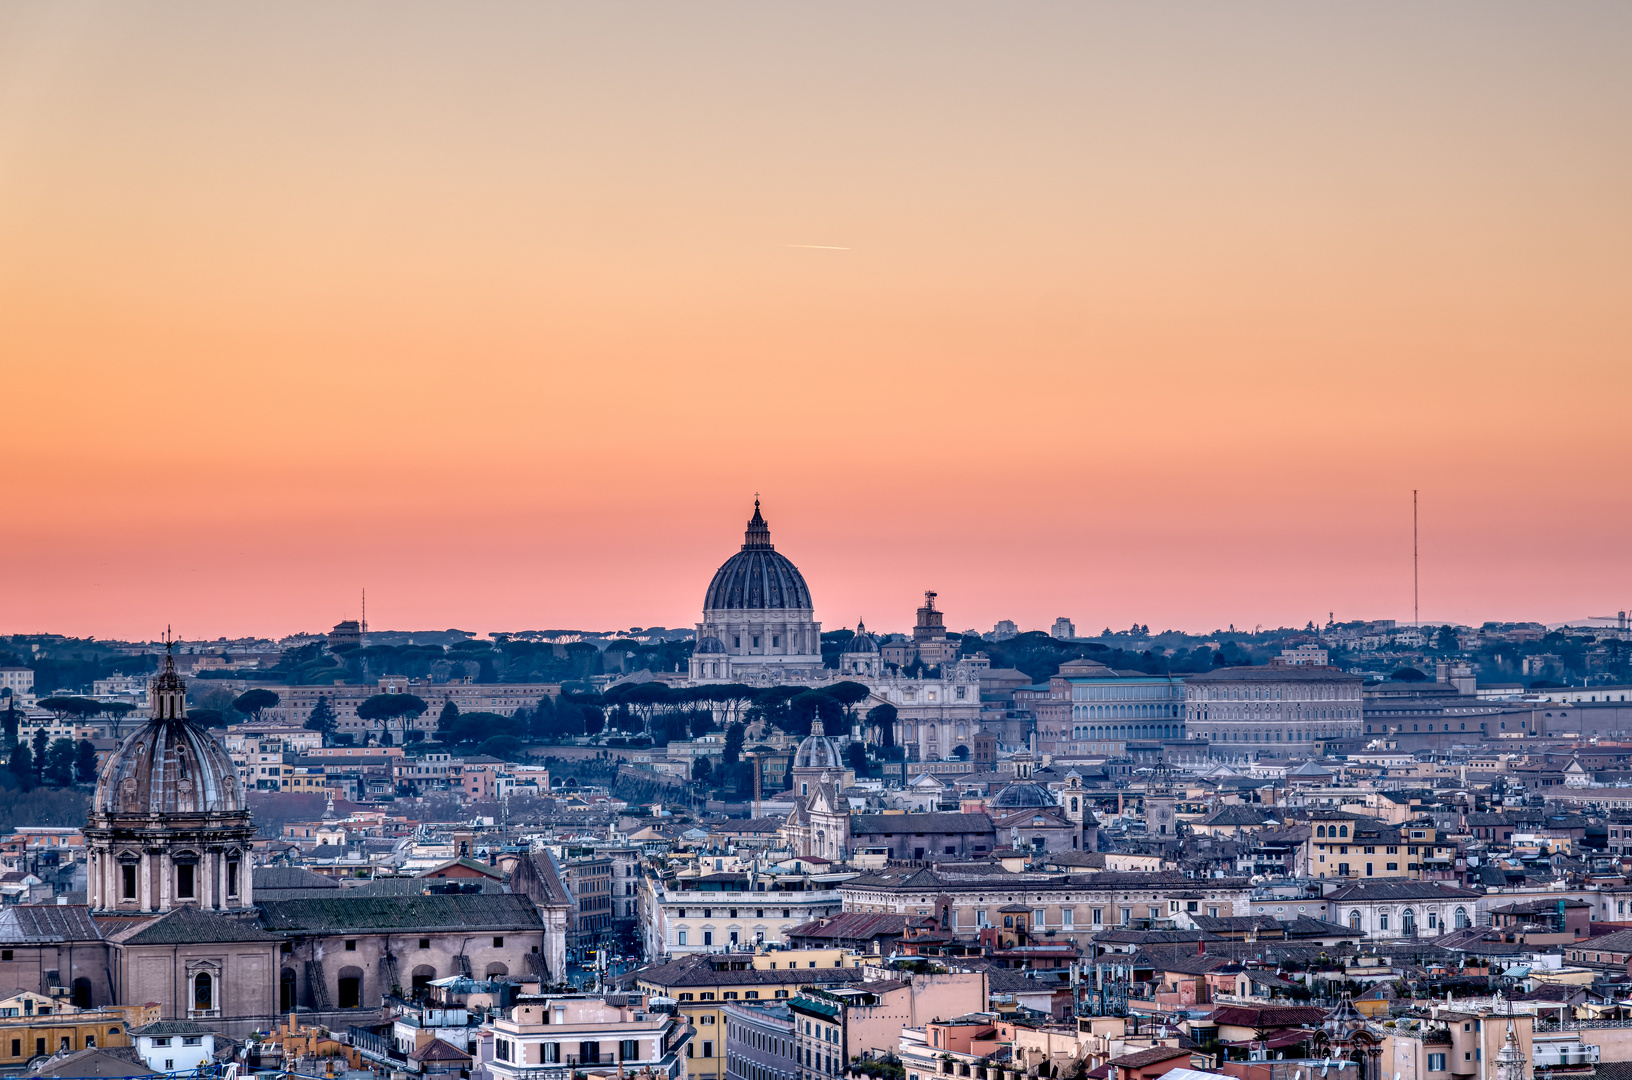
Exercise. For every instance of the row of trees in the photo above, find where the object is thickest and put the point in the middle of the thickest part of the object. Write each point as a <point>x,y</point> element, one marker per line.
<point>44,760</point>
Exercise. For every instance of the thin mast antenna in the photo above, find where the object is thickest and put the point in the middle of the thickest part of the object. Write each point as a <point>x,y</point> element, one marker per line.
<point>1416,613</point>
<point>363,629</point>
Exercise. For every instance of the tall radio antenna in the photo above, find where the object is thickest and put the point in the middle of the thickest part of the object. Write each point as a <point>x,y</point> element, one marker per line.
<point>363,629</point>
<point>1416,613</point>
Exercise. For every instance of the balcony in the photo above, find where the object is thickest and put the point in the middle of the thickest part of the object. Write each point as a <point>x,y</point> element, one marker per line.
<point>371,1044</point>
<point>203,1014</point>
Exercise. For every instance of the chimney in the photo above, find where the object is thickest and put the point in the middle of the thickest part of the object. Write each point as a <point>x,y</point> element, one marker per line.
<point>1201,947</point>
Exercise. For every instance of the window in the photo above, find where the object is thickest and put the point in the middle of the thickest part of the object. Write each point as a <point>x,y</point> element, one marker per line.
<point>5,954</point>
<point>192,1040</point>
<point>130,882</point>
<point>161,1042</point>
<point>680,939</point>
<point>708,1047</point>
<point>498,943</point>
<point>424,942</point>
<point>184,882</point>
<point>1436,1062</point>
<point>589,1053</point>
<point>351,945</point>
<point>1382,921</point>
<point>232,879</point>
<point>629,1050</point>
<point>551,1052</point>
<point>203,992</point>
<point>708,937</point>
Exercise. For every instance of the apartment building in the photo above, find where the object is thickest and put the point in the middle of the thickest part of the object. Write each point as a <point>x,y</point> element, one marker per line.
<point>694,913</point>
<point>758,1040</point>
<point>560,1036</point>
<point>702,986</point>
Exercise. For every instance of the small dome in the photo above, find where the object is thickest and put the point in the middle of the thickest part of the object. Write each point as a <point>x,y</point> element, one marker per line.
<point>1023,795</point>
<point>170,765</point>
<point>863,642</point>
<point>710,644</point>
<point>758,577</point>
<point>818,752</point>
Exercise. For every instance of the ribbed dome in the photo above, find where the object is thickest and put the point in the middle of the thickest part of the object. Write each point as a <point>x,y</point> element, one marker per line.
<point>170,765</point>
<point>1023,795</point>
<point>710,644</point>
<point>863,642</point>
<point>818,752</point>
<point>757,577</point>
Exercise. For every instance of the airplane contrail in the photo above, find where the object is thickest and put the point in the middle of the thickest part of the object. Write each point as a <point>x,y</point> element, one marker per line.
<point>819,247</point>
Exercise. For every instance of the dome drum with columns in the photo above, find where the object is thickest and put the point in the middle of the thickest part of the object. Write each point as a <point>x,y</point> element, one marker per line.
<point>759,625</point>
<point>168,824</point>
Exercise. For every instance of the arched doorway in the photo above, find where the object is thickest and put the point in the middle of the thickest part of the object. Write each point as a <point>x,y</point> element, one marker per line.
<point>497,971</point>
<point>421,978</point>
<point>286,990</point>
<point>82,993</point>
<point>350,989</point>
<point>203,992</point>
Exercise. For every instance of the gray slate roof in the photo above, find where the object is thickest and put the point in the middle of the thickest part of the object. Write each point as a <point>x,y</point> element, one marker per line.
<point>190,926</point>
<point>172,1027</point>
<point>1398,890</point>
<point>363,914</point>
<point>46,923</point>
<point>268,879</point>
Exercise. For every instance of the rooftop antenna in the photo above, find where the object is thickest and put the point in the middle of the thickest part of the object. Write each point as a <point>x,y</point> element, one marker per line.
<point>1416,614</point>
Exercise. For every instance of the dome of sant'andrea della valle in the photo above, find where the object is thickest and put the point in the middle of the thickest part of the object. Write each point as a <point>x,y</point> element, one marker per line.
<point>759,622</point>
<point>168,822</point>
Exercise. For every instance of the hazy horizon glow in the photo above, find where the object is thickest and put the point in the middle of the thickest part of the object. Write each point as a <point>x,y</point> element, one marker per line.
<point>1128,313</point>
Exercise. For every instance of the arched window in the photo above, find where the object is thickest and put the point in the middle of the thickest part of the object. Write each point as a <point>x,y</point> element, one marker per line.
<point>1408,922</point>
<point>203,991</point>
<point>1461,918</point>
<point>1320,830</point>
<point>1342,830</point>
<point>1008,921</point>
<point>1354,920</point>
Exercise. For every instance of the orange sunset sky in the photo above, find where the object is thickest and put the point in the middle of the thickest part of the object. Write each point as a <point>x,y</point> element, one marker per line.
<point>1126,312</point>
